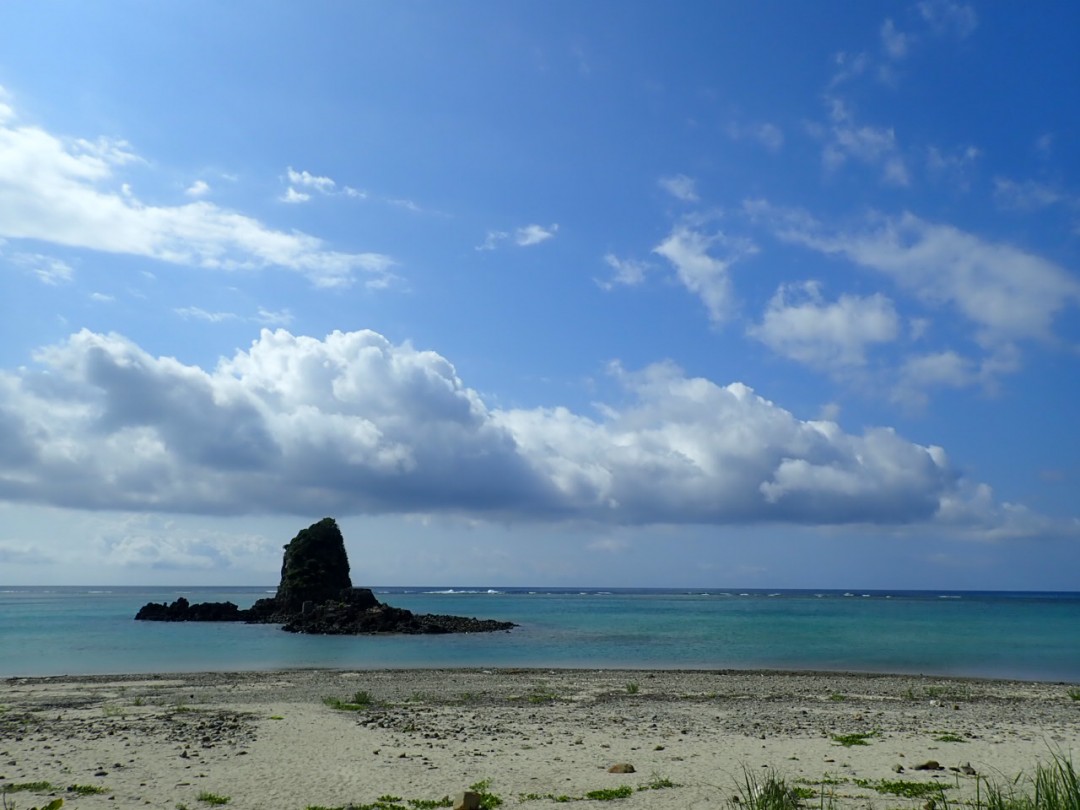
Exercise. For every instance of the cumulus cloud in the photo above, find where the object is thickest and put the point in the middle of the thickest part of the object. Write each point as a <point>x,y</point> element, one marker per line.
<point>200,188</point>
<point>947,368</point>
<point>798,323</point>
<point>1008,293</point>
<point>353,424</point>
<point>680,187</point>
<point>291,195</point>
<point>65,192</point>
<point>303,183</point>
<point>688,250</point>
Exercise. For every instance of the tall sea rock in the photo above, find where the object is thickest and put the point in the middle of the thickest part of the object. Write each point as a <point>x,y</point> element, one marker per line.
<point>315,567</point>
<point>316,596</point>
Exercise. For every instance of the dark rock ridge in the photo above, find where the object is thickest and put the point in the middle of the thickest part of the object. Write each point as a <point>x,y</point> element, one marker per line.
<point>316,596</point>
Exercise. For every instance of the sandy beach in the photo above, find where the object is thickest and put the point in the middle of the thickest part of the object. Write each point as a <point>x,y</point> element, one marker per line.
<point>271,740</point>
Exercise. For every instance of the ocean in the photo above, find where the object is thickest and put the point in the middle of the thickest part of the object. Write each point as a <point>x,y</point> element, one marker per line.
<point>1025,636</point>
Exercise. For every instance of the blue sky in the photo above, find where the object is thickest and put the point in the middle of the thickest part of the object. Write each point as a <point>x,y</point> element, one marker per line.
<point>767,294</point>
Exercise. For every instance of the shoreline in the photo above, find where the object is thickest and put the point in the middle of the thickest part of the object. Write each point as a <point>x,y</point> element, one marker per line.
<point>268,738</point>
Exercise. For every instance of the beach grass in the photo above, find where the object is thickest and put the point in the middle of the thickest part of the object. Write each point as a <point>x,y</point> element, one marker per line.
<point>768,793</point>
<point>856,738</point>
<point>1055,786</point>
<point>360,700</point>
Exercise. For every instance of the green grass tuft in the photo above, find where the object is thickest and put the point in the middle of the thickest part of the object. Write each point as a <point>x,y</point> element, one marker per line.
<point>1074,694</point>
<point>770,793</point>
<point>858,738</point>
<point>488,800</point>
<point>30,787</point>
<point>610,794</point>
<point>949,737</point>
<point>360,700</point>
<point>902,787</point>
<point>657,783</point>
<point>212,798</point>
<point>87,790</point>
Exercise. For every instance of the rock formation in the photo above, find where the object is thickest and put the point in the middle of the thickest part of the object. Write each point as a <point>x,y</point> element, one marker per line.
<point>316,595</point>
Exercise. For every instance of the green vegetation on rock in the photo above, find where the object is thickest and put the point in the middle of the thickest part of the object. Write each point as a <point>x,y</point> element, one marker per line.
<point>315,567</point>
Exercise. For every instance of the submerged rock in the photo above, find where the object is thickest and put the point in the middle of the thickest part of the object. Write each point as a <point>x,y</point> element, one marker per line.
<point>316,596</point>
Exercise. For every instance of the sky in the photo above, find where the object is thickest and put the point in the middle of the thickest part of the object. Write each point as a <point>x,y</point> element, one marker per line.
<point>720,294</point>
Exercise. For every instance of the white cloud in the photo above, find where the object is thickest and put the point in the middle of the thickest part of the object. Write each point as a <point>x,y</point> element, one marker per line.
<point>534,234</point>
<point>894,42</point>
<point>48,269</point>
<point>151,541</point>
<point>492,240</point>
<point>264,316</point>
<point>198,314</point>
<point>325,186</point>
<point>947,16</point>
<point>798,323</point>
<point>102,298</point>
<point>291,195</point>
<point>1008,293</point>
<point>525,236</point>
<point>680,187</point>
<point>356,425</point>
<point>703,274</point>
<point>873,146</point>
<point>768,135</point>
<point>948,369</point>
<point>303,179</point>
<point>955,166</point>
<point>200,188</point>
<point>268,317</point>
<point>626,272</point>
<point>1028,195</point>
<point>66,193</point>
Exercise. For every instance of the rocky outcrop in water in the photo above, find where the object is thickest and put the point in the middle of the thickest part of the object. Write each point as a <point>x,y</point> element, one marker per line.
<point>316,596</point>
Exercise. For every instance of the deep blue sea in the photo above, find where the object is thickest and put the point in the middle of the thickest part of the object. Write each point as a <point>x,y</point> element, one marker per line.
<point>1029,636</point>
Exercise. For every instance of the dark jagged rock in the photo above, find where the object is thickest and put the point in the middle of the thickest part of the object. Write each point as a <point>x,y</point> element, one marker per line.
<point>182,611</point>
<point>316,596</point>
<point>315,567</point>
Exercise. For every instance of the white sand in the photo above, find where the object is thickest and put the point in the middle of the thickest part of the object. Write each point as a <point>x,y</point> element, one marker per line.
<point>267,740</point>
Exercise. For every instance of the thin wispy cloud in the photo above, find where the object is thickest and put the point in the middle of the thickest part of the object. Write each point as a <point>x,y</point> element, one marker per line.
<point>680,187</point>
<point>525,236</point>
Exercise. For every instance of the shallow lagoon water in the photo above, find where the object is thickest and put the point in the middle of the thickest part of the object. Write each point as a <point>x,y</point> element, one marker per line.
<point>1028,636</point>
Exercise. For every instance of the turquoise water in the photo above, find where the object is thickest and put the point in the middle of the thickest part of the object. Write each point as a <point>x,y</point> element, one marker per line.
<point>1030,636</point>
